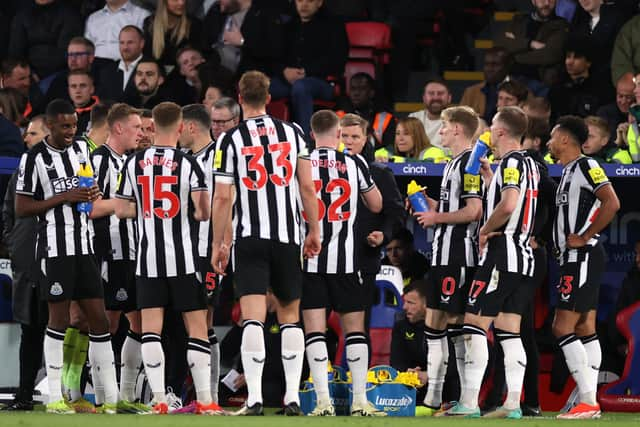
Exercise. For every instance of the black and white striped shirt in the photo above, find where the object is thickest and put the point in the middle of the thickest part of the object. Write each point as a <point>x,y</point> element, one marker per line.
<point>456,244</point>
<point>260,158</point>
<point>115,239</point>
<point>339,180</point>
<point>576,204</point>
<point>160,180</point>
<point>205,158</point>
<point>45,172</point>
<point>511,250</point>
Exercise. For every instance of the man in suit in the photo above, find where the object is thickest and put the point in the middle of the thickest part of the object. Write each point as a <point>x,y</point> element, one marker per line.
<point>117,77</point>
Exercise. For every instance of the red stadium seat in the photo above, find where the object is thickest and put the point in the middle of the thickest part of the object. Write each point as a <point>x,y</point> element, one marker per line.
<point>380,346</point>
<point>369,40</point>
<point>279,109</point>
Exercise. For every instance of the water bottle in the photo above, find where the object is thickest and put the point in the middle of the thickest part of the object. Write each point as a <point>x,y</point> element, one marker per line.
<point>86,180</point>
<point>416,197</point>
<point>480,150</point>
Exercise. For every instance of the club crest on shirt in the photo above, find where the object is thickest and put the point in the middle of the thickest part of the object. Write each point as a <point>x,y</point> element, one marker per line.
<point>510,176</point>
<point>598,176</point>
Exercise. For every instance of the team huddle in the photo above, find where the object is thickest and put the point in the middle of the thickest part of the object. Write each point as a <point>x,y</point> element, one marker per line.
<point>165,222</point>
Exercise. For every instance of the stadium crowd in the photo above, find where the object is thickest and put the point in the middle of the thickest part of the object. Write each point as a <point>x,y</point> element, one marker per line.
<point>200,95</point>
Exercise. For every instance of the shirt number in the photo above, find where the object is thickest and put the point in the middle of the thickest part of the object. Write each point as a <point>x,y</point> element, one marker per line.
<point>334,213</point>
<point>159,194</point>
<point>255,154</point>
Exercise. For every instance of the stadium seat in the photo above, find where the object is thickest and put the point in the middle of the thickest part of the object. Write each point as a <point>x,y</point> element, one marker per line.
<point>380,346</point>
<point>623,395</point>
<point>279,109</point>
<point>389,284</point>
<point>369,40</point>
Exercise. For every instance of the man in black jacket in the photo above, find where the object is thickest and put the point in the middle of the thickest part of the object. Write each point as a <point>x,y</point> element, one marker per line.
<point>245,35</point>
<point>316,47</point>
<point>372,230</point>
<point>20,236</point>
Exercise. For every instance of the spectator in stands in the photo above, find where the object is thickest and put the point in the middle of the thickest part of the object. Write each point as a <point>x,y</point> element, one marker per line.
<point>599,22</point>
<point>117,78</point>
<point>148,79</point>
<point>11,143</point>
<point>16,74</point>
<point>29,310</point>
<point>316,47</point>
<point>411,145</point>
<point>483,96</point>
<point>168,30</point>
<point>104,27</point>
<point>245,35</point>
<point>41,34</point>
<point>536,41</point>
<point>617,112</point>
<point>537,107</point>
<point>436,97</point>
<point>408,352</point>
<point>147,130</point>
<point>361,101</point>
<point>225,115</point>
<point>82,95</point>
<point>217,82</point>
<point>536,138</point>
<point>625,59</point>
<point>402,254</point>
<point>80,56</point>
<point>579,92</point>
<point>599,146</point>
<point>511,93</point>
<point>185,86</point>
<point>99,131</point>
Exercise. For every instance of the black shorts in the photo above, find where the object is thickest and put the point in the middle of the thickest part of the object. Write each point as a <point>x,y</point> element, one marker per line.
<point>71,278</point>
<point>579,285</point>
<point>493,291</point>
<point>182,293</point>
<point>448,288</point>
<point>210,279</point>
<point>343,293</point>
<point>119,279</point>
<point>261,264</point>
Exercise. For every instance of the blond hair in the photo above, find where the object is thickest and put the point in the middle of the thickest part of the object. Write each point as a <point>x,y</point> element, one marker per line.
<point>351,119</point>
<point>160,27</point>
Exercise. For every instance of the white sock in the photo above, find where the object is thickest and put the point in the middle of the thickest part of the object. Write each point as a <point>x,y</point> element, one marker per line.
<point>358,361</point>
<point>101,357</point>
<point>53,349</point>
<point>476,359</point>
<point>591,345</point>
<point>318,359</point>
<point>215,364</point>
<point>153,358</point>
<point>292,350</point>
<point>199,359</point>
<point>577,362</point>
<point>437,353</point>
<point>131,358</point>
<point>457,339</point>
<point>98,387</point>
<point>515,364</point>
<point>253,357</point>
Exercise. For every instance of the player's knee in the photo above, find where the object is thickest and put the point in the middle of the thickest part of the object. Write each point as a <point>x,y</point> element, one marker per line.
<point>560,329</point>
<point>584,329</point>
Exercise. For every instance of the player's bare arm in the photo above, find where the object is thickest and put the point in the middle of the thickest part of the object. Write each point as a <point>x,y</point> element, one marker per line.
<point>472,211</point>
<point>201,201</point>
<point>28,206</point>
<point>373,200</point>
<point>221,221</point>
<point>610,204</point>
<point>310,204</point>
<point>103,207</point>
<point>125,208</point>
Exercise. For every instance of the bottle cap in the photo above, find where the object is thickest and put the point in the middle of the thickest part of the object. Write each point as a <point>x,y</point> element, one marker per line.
<point>485,137</point>
<point>85,170</point>
<point>413,188</point>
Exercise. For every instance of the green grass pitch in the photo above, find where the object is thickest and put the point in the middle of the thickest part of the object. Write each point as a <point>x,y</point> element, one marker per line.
<point>88,420</point>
